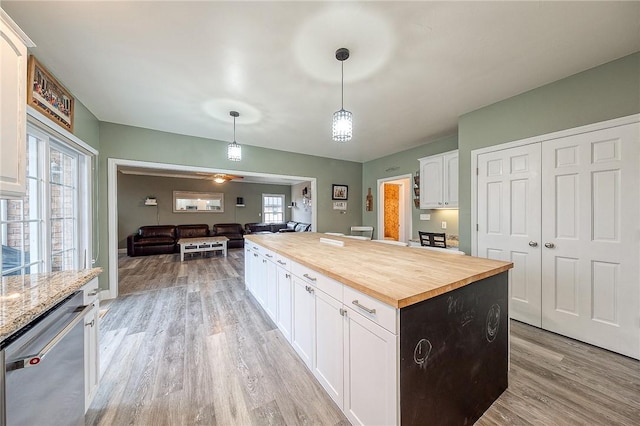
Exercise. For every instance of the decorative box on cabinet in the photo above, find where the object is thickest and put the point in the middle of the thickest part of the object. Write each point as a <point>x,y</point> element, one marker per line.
<point>439,181</point>
<point>13,104</point>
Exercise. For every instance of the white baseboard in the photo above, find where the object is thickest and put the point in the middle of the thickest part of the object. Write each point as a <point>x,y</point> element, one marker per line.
<point>120,251</point>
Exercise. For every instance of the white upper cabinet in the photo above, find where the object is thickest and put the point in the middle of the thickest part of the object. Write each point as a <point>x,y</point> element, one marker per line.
<point>13,104</point>
<point>439,181</point>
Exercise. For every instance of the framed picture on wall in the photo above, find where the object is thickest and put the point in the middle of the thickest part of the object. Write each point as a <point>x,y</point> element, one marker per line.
<point>48,96</point>
<point>339,192</point>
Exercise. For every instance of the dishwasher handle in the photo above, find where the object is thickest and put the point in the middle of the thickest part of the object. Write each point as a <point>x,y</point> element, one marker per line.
<point>33,360</point>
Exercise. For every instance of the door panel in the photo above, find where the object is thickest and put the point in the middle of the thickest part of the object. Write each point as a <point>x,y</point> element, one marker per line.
<point>509,220</point>
<point>590,286</point>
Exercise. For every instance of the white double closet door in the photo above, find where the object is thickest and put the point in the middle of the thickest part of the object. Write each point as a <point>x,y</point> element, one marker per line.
<point>566,213</point>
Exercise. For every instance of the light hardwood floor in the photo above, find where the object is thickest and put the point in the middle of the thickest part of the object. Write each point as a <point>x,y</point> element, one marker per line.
<point>185,344</point>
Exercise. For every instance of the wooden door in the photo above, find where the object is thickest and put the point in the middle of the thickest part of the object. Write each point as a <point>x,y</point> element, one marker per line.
<point>509,223</point>
<point>392,211</point>
<point>590,251</point>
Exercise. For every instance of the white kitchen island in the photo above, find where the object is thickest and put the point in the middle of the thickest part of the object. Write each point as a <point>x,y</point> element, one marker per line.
<point>395,335</point>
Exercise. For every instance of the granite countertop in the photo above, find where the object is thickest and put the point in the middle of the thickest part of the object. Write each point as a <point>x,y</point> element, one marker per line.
<point>25,297</point>
<point>397,276</point>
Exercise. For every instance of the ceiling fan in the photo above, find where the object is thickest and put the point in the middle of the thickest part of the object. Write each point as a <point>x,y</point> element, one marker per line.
<point>222,177</point>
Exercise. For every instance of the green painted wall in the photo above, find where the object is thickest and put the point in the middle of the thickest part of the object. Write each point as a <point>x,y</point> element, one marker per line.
<point>605,92</point>
<point>85,125</point>
<point>134,143</point>
<point>401,163</point>
<point>133,213</point>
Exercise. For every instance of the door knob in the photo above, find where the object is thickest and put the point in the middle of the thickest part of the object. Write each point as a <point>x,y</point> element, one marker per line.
<point>533,243</point>
<point>549,245</point>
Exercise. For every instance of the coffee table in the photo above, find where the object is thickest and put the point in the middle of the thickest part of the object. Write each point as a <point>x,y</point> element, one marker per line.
<point>202,244</point>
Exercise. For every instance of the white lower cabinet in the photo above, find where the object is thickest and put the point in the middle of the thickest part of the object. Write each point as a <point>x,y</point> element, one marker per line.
<point>370,372</point>
<point>328,365</point>
<point>284,316</point>
<point>343,336</point>
<point>91,343</point>
<point>271,286</point>
<point>303,337</point>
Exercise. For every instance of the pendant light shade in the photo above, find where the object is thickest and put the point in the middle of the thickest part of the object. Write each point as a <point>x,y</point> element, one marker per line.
<point>342,125</point>
<point>234,150</point>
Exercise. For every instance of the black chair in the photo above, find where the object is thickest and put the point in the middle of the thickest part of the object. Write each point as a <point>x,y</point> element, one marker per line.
<point>433,239</point>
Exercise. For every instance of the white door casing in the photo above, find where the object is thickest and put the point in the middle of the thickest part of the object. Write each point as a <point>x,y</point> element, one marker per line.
<point>509,223</point>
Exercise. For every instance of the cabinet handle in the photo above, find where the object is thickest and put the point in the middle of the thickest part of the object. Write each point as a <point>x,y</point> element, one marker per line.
<point>268,255</point>
<point>308,277</point>
<point>264,260</point>
<point>343,312</point>
<point>281,262</point>
<point>94,292</point>
<point>90,324</point>
<point>439,203</point>
<point>533,243</point>
<point>309,289</point>
<point>364,308</point>
<point>255,255</point>
<point>549,245</point>
<point>287,276</point>
<point>446,203</point>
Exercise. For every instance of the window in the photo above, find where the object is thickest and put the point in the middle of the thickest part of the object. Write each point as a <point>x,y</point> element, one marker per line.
<point>272,208</point>
<point>49,229</point>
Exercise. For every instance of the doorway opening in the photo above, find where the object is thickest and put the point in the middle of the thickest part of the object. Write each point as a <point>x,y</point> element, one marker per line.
<point>394,208</point>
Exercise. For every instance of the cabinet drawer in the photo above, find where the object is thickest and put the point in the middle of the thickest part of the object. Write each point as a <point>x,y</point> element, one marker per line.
<point>90,292</point>
<point>268,254</point>
<point>255,247</point>
<point>371,308</point>
<point>283,262</point>
<point>329,286</point>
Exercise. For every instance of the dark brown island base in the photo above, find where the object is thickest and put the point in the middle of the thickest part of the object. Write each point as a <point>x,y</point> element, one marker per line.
<point>395,335</point>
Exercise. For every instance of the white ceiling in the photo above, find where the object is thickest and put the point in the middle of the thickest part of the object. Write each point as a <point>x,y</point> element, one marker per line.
<point>415,67</point>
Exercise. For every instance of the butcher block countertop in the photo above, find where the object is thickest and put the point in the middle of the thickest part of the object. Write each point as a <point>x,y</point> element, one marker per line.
<point>398,276</point>
<point>25,297</point>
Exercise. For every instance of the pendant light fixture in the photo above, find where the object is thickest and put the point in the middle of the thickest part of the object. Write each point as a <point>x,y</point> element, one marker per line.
<point>234,151</point>
<point>342,119</point>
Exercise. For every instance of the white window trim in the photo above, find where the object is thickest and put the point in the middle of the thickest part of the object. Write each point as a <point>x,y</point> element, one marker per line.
<point>282,197</point>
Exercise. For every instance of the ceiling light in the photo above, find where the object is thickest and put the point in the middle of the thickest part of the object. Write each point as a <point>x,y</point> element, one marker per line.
<point>219,179</point>
<point>234,151</point>
<point>342,119</point>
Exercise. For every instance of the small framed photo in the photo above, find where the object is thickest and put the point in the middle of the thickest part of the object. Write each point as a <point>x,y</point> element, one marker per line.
<point>339,205</point>
<point>48,96</point>
<point>339,192</point>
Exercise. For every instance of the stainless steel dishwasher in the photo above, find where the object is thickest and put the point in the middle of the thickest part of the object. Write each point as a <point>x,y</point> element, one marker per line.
<point>42,381</point>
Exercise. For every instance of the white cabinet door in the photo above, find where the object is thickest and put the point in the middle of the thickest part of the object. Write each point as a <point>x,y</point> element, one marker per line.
<point>13,116</point>
<point>248,267</point>
<point>284,317</point>
<point>260,280</point>
<point>91,343</point>
<point>590,252</point>
<point>439,181</point>
<point>303,338</point>
<point>91,355</point>
<point>271,285</point>
<point>509,223</point>
<point>431,183</point>
<point>329,356</point>
<point>450,184</point>
<point>370,380</point>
